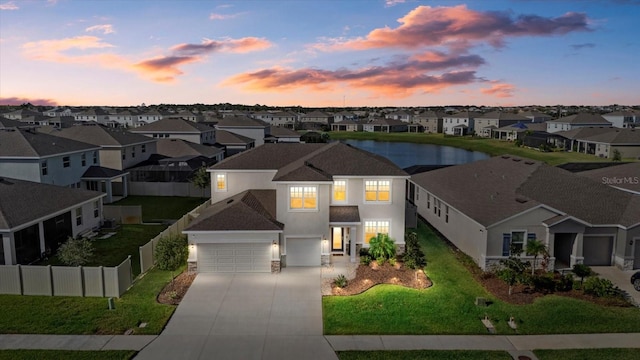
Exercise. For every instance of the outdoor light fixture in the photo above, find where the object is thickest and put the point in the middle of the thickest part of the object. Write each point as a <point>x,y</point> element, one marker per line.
<point>275,244</point>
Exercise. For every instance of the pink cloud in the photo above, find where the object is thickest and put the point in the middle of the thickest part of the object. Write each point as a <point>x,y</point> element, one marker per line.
<point>105,29</point>
<point>11,5</point>
<point>23,100</point>
<point>242,45</point>
<point>164,69</point>
<point>500,90</point>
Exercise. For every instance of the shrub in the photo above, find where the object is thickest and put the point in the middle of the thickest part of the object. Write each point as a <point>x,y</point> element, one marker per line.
<point>544,283</point>
<point>364,251</point>
<point>410,263</point>
<point>340,281</point>
<point>599,287</point>
<point>392,261</point>
<point>380,260</point>
<point>171,252</point>
<point>413,256</point>
<point>365,260</point>
<point>582,271</point>
<point>382,246</point>
<point>76,252</point>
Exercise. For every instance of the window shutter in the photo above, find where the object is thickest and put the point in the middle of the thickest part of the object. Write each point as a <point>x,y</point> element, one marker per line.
<point>531,236</point>
<point>506,243</point>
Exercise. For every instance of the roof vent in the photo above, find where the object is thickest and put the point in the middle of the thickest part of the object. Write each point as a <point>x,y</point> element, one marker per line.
<point>529,162</point>
<point>521,200</point>
<point>229,201</point>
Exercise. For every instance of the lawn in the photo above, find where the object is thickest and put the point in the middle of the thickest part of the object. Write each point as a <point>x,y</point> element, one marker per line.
<point>448,306</point>
<point>66,355</point>
<point>156,208</point>
<point>424,355</point>
<point>588,354</point>
<point>89,315</point>
<point>488,146</point>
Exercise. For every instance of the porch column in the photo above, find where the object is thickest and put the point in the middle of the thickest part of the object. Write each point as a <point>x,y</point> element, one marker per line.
<point>353,236</point>
<point>43,246</point>
<point>551,243</point>
<point>577,256</point>
<point>125,189</point>
<point>9,252</point>
<point>109,191</point>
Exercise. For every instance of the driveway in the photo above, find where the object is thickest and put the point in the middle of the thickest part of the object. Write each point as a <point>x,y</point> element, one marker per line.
<point>619,278</point>
<point>247,316</point>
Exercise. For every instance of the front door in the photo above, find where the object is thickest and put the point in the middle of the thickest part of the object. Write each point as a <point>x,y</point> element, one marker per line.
<point>337,240</point>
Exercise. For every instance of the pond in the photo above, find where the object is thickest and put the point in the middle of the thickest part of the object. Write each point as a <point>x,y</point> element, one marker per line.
<point>408,154</point>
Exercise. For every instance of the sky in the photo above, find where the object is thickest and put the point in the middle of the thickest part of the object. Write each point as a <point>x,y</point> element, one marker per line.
<point>327,53</point>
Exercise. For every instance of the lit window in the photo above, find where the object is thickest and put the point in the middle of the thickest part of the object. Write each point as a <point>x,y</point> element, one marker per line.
<point>373,228</point>
<point>377,190</point>
<point>340,190</point>
<point>66,161</point>
<point>79,216</point>
<point>303,197</point>
<point>221,182</point>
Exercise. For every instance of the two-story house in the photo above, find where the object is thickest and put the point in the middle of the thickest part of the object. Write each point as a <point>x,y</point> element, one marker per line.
<point>245,126</point>
<point>296,205</point>
<point>579,120</point>
<point>486,124</point>
<point>176,128</point>
<point>461,123</point>
<point>284,119</point>
<point>431,121</point>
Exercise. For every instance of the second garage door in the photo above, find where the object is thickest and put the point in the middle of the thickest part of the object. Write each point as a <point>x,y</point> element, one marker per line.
<point>303,252</point>
<point>597,250</point>
<point>234,257</point>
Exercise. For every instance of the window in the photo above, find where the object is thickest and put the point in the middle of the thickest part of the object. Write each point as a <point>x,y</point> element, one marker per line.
<point>221,182</point>
<point>143,148</point>
<point>428,201</point>
<point>43,168</point>
<point>96,209</point>
<point>377,190</point>
<point>66,162</point>
<point>446,213</point>
<point>133,152</point>
<point>83,159</point>
<point>303,197</point>
<point>340,190</point>
<point>374,227</point>
<point>513,243</point>
<point>95,157</point>
<point>79,216</point>
<point>124,155</point>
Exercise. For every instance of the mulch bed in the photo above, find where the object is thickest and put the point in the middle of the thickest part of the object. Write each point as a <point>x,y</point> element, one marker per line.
<point>372,275</point>
<point>174,291</point>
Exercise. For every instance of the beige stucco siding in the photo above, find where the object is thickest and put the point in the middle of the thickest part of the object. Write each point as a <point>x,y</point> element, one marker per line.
<point>530,221</point>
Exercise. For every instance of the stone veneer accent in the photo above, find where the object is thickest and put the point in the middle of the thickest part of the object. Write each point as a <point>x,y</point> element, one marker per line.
<point>325,259</point>
<point>192,266</point>
<point>275,266</point>
<point>400,249</point>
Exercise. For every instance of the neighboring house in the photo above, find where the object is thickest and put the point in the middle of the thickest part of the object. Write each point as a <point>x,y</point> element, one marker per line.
<point>93,114</point>
<point>518,131</point>
<point>431,121</point>
<point>282,135</point>
<point>536,116</point>
<point>316,117</point>
<point>296,205</point>
<point>29,155</point>
<point>344,115</point>
<point>265,116</point>
<point>185,115</point>
<point>9,123</point>
<point>41,120</point>
<point>233,143</point>
<point>175,128</point>
<point>487,123</point>
<point>576,121</point>
<point>57,111</point>
<point>461,123</point>
<point>401,115</point>
<point>175,148</point>
<point>489,207</point>
<point>626,141</point>
<point>245,126</point>
<point>35,219</point>
<point>385,125</point>
<point>346,125</point>
<point>624,177</point>
<point>19,114</point>
<point>623,119</point>
<point>148,117</point>
<point>160,176</point>
<point>284,119</point>
<point>125,118</point>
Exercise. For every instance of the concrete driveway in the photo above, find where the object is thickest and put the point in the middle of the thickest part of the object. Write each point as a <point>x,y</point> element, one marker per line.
<point>619,278</point>
<point>247,316</point>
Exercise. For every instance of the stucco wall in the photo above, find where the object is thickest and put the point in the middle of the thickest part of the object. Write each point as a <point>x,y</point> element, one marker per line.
<point>239,181</point>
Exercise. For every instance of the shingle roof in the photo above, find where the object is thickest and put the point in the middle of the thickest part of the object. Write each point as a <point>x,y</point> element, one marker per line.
<point>228,138</point>
<point>241,121</point>
<point>584,132</point>
<point>267,156</point>
<point>387,122</point>
<point>499,115</point>
<point>99,172</point>
<point>626,176</point>
<point>581,118</point>
<point>8,123</point>
<point>277,131</point>
<point>178,147</point>
<point>616,136</point>
<point>102,136</point>
<point>173,125</point>
<point>344,214</point>
<point>17,199</point>
<point>251,210</point>
<point>29,143</point>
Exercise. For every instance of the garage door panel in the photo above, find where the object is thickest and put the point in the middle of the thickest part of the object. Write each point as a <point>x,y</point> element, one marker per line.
<point>229,258</point>
<point>303,251</point>
<point>597,250</point>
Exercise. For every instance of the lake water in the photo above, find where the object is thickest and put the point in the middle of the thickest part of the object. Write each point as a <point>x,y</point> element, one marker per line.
<point>408,154</point>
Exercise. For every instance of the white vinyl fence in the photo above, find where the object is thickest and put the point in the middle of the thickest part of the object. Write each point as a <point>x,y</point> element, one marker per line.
<point>50,280</point>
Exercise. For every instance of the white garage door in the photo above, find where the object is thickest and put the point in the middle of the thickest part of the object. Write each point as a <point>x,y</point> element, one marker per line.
<point>303,251</point>
<point>597,250</point>
<point>234,257</point>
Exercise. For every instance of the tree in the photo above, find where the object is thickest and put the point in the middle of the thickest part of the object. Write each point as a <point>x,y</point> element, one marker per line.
<point>382,246</point>
<point>76,252</point>
<point>201,179</point>
<point>171,252</point>
<point>536,248</point>
<point>582,271</point>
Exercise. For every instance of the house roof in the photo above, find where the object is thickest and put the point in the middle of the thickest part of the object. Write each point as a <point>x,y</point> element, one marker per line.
<point>582,118</point>
<point>463,115</point>
<point>178,147</point>
<point>430,114</point>
<point>228,138</point>
<point>251,210</point>
<point>616,136</point>
<point>8,123</point>
<point>499,115</point>
<point>344,214</point>
<point>583,132</point>
<point>173,125</point>
<point>278,131</point>
<point>101,135</point>
<point>626,176</point>
<point>241,121</point>
<point>17,199</point>
<point>99,172</point>
<point>30,143</point>
<point>387,122</point>
<point>492,190</point>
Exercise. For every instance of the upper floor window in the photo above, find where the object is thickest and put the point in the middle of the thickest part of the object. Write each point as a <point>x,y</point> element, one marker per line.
<point>374,227</point>
<point>95,157</point>
<point>83,159</point>
<point>143,148</point>
<point>340,190</point>
<point>377,190</point>
<point>303,197</point>
<point>79,216</point>
<point>44,168</point>
<point>96,209</point>
<point>124,155</point>
<point>66,161</point>
<point>221,182</point>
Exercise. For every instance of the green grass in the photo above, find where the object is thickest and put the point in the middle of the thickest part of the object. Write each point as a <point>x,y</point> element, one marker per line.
<point>66,355</point>
<point>114,250</point>
<point>88,315</point>
<point>448,306</point>
<point>156,208</point>
<point>588,354</point>
<point>488,146</point>
<point>424,355</point>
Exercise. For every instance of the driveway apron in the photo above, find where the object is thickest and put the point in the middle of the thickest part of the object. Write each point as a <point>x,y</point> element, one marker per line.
<point>247,316</point>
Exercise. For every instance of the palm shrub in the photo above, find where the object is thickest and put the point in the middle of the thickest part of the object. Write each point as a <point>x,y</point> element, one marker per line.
<point>171,252</point>
<point>76,252</point>
<point>382,246</point>
<point>340,281</point>
<point>536,248</point>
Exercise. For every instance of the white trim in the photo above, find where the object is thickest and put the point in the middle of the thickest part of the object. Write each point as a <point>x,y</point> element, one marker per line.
<point>226,181</point>
<point>213,232</point>
<point>364,229</point>
<point>303,209</point>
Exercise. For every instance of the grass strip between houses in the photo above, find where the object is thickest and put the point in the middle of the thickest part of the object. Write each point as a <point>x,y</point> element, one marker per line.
<point>424,355</point>
<point>448,306</point>
<point>588,354</point>
<point>66,355</point>
<point>157,208</point>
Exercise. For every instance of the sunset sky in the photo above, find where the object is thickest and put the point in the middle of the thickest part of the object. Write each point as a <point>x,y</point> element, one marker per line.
<point>320,53</point>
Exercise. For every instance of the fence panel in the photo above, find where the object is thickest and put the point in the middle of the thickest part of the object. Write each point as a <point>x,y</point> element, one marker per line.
<point>93,281</point>
<point>111,282</point>
<point>10,282</point>
<point>67,281</point>
<point>36,280</point>
<point>146,257</point>
<point>125,277</point>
